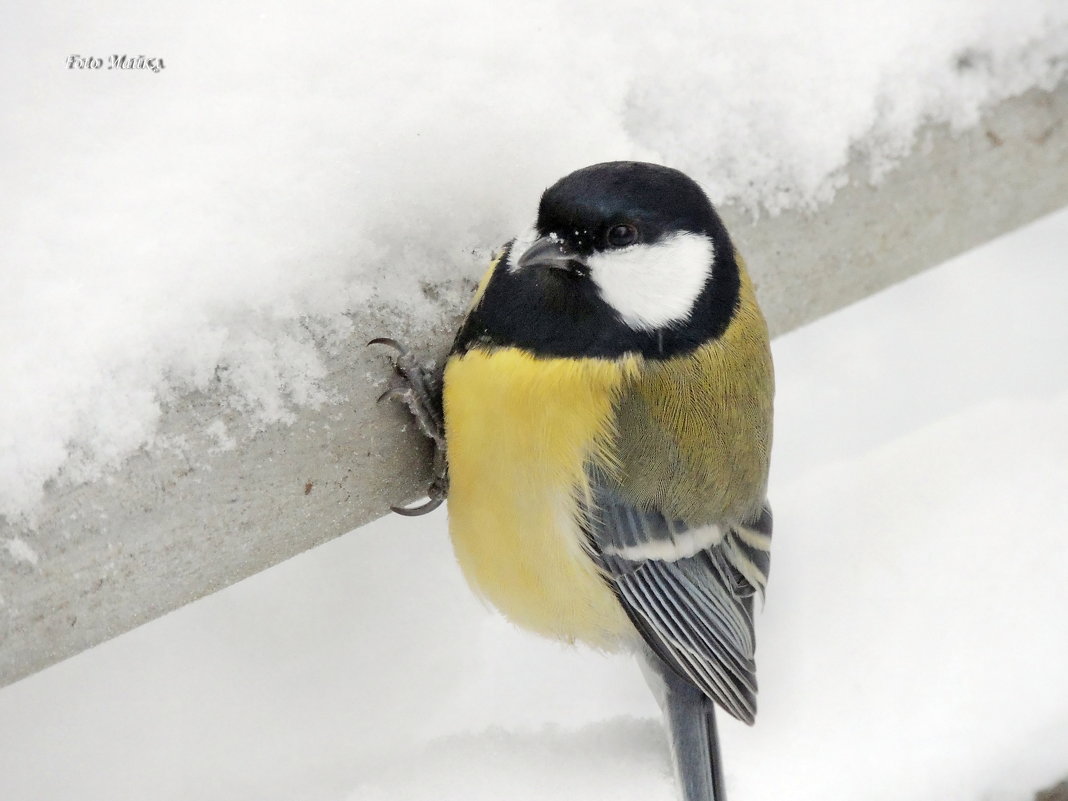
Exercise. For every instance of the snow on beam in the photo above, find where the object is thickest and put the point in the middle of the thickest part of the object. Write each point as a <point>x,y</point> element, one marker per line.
<point>174,525</point>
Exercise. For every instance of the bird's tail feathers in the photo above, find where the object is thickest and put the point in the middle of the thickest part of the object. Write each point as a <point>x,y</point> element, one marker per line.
<point>690,719</point>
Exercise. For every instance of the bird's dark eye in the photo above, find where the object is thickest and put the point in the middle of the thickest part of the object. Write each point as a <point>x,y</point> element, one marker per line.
<point>620,236</point>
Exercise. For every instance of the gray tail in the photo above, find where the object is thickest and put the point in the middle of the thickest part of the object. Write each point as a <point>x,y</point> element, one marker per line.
<point>690,718</point>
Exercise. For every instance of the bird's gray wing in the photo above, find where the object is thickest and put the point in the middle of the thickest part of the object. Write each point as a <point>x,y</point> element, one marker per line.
<point>688,590</point>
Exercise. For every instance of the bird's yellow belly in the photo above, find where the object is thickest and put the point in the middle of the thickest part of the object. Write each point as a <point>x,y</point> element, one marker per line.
<point>520,432</point>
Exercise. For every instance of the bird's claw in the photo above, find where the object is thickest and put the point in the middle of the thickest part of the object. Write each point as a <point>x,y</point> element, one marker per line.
<point>435,497</point>
<point>418,387</point>
<point>415,511</point>
<point>396,393</point>
<point>389,342</point>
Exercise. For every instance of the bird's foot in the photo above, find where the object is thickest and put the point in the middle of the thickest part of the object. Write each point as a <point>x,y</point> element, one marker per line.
<point>418,386</point>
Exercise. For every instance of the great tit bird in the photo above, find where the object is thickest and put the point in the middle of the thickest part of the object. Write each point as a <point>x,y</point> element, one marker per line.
<point>604,425</point>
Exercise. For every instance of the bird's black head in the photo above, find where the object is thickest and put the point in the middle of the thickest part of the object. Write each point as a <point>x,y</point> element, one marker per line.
<point>625,257</point>
<point>586,206</point>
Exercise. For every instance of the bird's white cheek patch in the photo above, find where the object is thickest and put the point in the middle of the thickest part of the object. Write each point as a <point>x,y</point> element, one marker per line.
<point>651,286</point>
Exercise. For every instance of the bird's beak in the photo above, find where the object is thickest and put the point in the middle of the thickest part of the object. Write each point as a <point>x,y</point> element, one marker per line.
<point>552,253</point>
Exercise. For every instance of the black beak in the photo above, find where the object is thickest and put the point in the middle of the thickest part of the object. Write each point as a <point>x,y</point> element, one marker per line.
<point>553,253</point>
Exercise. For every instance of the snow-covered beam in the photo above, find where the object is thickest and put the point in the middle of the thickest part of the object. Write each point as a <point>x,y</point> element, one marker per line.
<point>173,525</point>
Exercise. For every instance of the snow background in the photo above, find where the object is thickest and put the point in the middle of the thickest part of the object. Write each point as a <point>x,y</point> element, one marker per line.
<point>207,227</point>
<point>913,645</point>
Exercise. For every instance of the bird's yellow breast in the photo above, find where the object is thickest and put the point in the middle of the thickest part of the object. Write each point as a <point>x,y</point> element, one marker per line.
<point>520,432</point>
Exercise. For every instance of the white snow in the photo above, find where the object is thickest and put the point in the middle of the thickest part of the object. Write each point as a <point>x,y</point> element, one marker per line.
<point>21,551</point>
<point>912,645</point>
<point>220,436</point>
<point>206,226</point>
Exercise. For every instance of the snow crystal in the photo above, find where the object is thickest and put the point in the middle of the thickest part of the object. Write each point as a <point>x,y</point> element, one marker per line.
<point>21,551</point>
<point>206,227</point>
<point>219,435</point>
